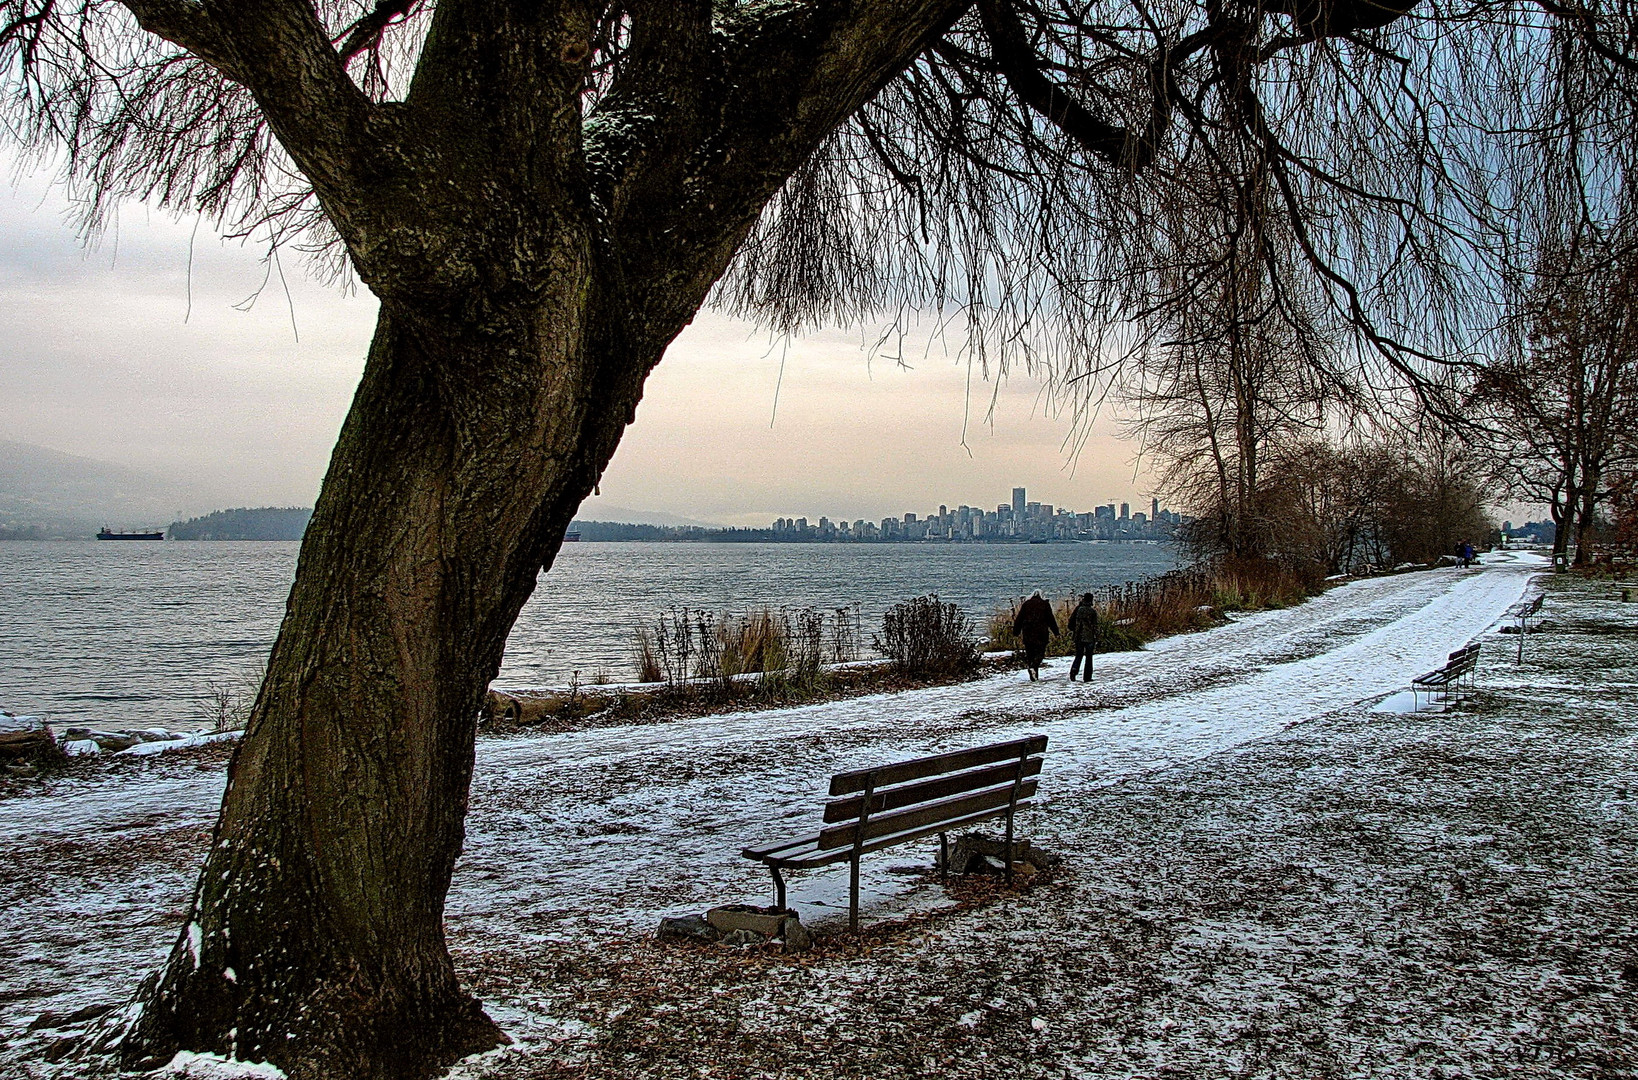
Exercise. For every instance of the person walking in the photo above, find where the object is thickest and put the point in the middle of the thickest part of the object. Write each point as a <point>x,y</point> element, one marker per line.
<point>1035,625</point>
<point>1083,627</point>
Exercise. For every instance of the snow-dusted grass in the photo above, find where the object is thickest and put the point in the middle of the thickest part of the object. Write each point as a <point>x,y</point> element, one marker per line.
<point>1252,858</point>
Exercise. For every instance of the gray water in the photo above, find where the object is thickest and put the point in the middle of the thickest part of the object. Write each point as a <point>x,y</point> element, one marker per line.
<point>136,634</point>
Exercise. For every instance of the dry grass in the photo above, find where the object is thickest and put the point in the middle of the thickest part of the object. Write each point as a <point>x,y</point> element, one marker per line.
<point>1175,602</point>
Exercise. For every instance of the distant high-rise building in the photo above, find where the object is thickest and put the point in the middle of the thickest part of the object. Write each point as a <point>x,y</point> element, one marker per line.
<point>1018,502</point>
<point>1154,509</point>
<point>1125,512</point>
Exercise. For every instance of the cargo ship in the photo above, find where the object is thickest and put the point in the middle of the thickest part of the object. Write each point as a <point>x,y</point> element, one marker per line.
<point>110,534</point>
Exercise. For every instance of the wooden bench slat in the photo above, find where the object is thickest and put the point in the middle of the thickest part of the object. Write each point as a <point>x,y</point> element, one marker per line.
<point>927,814</point>
<point>826,856</point>
<point>886,776</point>
<point>848,808</point>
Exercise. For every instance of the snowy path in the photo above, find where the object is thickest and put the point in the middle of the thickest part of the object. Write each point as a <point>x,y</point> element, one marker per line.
<point>614,827</point>
<point>660,812</point>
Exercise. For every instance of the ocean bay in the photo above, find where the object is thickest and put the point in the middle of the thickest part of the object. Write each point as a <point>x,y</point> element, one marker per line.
<point>137,634</point>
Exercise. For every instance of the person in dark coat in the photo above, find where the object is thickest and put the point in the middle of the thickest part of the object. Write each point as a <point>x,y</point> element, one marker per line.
<point>1035,626</point>
<point>1083,627</point>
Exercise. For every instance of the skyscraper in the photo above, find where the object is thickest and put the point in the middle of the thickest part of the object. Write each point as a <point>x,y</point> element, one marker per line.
<point>1018,503</point>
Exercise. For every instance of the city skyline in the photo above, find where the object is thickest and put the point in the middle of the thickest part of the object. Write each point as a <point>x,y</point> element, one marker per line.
<point>1018,519</point>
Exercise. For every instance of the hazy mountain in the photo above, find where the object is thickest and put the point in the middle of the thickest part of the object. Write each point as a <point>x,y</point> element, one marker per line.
<point>595,509</point>
<point>66,493</point>
<point>261,523</point>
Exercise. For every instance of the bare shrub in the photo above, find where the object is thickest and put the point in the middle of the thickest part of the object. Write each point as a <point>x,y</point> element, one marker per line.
<point>847,635</point>
<point>226,704</point>
<point>926,637</point>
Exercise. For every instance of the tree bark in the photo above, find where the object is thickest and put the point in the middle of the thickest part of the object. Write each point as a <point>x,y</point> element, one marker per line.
<point>317,938</point>
<point>1562,510</point>
<point>1586,515</point>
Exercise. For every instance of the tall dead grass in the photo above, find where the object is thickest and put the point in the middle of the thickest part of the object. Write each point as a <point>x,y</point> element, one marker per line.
<point>777,654</point>
<point>1190,598</point>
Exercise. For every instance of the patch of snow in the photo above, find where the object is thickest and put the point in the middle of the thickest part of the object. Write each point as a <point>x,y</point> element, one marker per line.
<point>1405,702</point>
<point>159,746</point>
<point>187,1065</point>
<point>12,724</point>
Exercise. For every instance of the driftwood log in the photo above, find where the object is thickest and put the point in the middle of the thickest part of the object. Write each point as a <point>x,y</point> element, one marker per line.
<point>25,737</point>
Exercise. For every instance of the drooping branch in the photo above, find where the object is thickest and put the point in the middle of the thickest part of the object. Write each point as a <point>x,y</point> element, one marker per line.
<point>365,33</point>
<point>279,52</point>
<point>1019,63</point>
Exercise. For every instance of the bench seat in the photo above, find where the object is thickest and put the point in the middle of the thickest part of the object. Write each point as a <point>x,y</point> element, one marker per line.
<point>882,807</point>
<point>1457,672</point>
<point>806,853</point>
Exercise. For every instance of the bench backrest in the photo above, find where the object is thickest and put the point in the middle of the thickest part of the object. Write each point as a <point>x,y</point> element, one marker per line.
<point>925,792</point>
<point>1463,660</point>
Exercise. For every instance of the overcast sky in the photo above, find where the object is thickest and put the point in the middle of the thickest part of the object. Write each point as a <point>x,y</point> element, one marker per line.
<point>104,353</point>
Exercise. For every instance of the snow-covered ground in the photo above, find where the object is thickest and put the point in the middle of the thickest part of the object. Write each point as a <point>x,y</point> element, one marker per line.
<point>588,837</point>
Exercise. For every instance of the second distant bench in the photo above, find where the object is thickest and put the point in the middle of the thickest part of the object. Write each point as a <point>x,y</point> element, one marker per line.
<point>1446,684</point>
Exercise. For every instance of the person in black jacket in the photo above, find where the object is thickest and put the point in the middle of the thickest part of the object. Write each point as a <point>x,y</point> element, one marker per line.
<point>1083,627</point>
<point>1035,625</point>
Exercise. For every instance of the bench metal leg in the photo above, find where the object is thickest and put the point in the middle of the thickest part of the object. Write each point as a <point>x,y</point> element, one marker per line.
<point>779,886</point>
<point>944,856</point>
<point>853,894</point>
<point>1009,849</point>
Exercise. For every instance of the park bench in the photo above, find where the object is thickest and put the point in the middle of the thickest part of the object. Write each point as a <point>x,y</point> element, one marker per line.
<point>1625,588</point>
<point>882,807</point>
<point>1526,616</point>
<point>1442,683</point>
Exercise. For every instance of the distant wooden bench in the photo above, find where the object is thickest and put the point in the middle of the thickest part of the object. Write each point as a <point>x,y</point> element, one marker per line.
<point>1625,588</point>
<point>882,807</point>
<point>1442,684</point>
<point>1526,616</point>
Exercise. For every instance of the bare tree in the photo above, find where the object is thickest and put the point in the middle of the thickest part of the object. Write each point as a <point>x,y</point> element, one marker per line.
<point>543,195</point>
<point>1563,406</point>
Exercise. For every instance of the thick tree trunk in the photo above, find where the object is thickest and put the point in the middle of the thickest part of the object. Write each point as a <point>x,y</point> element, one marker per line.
<point>1563,515</point>
<point>318,941</point>
<point>1586,515</point>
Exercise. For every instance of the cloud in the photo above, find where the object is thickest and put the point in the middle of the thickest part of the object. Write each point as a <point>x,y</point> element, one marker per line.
<point>126,354</point>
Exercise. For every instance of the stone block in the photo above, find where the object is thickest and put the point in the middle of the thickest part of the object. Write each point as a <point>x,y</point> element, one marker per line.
<point>796,936</point>
<point>687,928</point>
<point>758,920</point>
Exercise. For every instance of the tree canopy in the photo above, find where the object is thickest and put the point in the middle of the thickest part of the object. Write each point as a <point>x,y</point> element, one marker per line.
<point>542,195</point>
